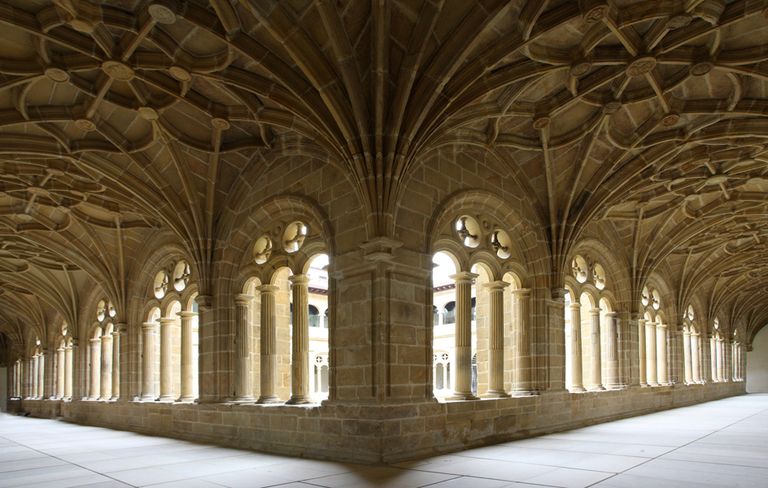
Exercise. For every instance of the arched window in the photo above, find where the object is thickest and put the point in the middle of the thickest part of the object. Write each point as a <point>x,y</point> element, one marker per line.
<point>653,338</point>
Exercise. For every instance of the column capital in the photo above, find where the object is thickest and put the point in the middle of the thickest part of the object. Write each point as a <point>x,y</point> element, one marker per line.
<point>148,325</point>
<point>120,327</point>
<point>94,340</point>
<point>107,337</point>
<point>595,311</point>
<point>167,320</point>
<point>661,325</point>
<point>464,277</point>
<point>695,334</point>
<point>522,292</point>
<point>496,285</point>
<point>574,306</point>
<point>204,301</point>
<point>186,314</point>
<point>641,322</point>
<point>612,314</point>
<point>299,279</point>
<point>243,299</point>
<point>60,349</point>
<point>268,289</point>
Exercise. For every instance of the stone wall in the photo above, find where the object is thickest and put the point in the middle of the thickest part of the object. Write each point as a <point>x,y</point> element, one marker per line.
<point>376,433</point>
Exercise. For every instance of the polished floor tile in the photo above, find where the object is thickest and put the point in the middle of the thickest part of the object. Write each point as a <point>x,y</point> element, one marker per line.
<point>721,443</point>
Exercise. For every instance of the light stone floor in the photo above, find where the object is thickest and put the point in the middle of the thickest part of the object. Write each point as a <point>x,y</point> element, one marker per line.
<point>721,443</point>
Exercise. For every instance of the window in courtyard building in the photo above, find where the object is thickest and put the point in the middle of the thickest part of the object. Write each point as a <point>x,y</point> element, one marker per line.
<point>317,273</point>
<point>653,340</point>
<point>691,349</point>
<point>103,355</point>
<point>717,352</point>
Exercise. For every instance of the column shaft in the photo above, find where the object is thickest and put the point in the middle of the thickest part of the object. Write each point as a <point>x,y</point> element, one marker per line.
<point>68,359</point>
<point>521,374</point>
<point>643,367</point>
<point>188,378</point>
<point>496,342</point>
<point>300,341</point>
<point>244,381</point>
<point>650,352</point>
<point>612,352</point>
<point>106,367</point>
<point>95,385</point>
<point>695,359</point>
<point>148,362</point>
<point>116,363</point>
<point>60,360</point>
<point>661,354</point>
<point>463,337</point>
<point>268,345</point>
<point>41,375</point>
<point>577,374</point>
<point>687,357</point>
<point>166,359</point>
<point>595,373</point>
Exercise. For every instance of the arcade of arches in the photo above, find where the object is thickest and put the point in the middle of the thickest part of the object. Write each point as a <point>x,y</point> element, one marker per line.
<point>376,230</point>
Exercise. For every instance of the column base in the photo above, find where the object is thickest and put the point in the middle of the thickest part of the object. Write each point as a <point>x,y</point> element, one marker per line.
<point>245,399</point>
<point>187,399</point>
<point>597,388</point>
<point>166,398</point>
<point>114,398</point>
<point>298,400</point>
<point>523,393</point>
<point>104,399</point>
<point>147,398</point>
<point>461,396</point>
<point>576,389</point>
<point>268,399</point>
<point>495,394</point>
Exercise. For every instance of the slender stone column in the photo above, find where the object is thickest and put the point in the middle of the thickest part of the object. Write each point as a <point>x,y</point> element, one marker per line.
<point>463,336</point>
<point>577,383</point>
<point>612,354</point>
<point>60,361</point>
<point>521,383</point>
<point>650,352</point>
<point>496,345</point>
<point>641,351</point>
<point>41,375</point>
<point>300,341</point>
<point>661,354</point>
<point>268,344</point>
<point>188,379</point>
<point>687,356</point>
<point>695,358</point>
<point>713,358</point>
<point>116,362</point>
<point>106,367</point>
<point>719,362</point>
<point>68,360</point>
<point>166,359</point>
<point>148,362</point>
<point>595,373</point>
<point>244,383</point>
<point>95,369</point>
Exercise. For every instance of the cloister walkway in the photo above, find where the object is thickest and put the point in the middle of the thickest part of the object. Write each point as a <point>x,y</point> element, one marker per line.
<point>720,443</point>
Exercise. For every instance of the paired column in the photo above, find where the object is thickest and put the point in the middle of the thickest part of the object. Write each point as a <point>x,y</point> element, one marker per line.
<point>521,375</point>
<point>496,343</point>
<point>300,340</point>
<point>713,358</point>
<point>148,362</point>
<point>188,377</point>
<point>641,352</point>
<point>106,367</point>
<point>661,353</point>
<point>244,383</point>
<point>577,382</point>
<point>68,362</point>
<point>116,361</point>
<point>650,352</point>
<point>463,336</point>
<point>166,359</point>
<point>595,376</point>
<point>612,354</point>
<point>268,344</point>
<point>687,357</point>
<point>719,361</point>
<point>93,394</point>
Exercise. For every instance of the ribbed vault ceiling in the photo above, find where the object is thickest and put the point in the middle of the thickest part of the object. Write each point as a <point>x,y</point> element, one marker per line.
<point>124,117</point>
